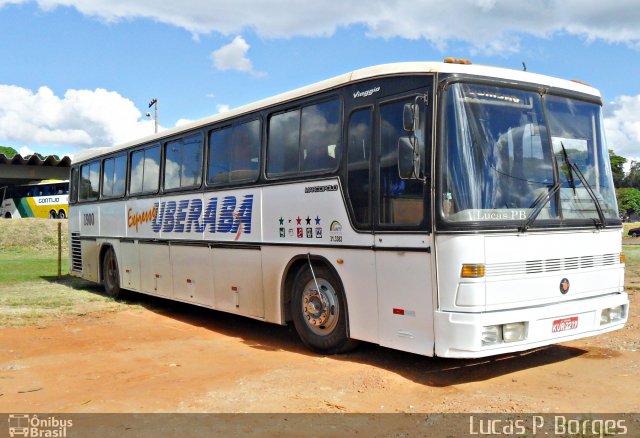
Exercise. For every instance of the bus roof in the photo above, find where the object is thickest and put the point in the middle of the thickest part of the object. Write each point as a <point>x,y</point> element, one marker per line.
<point>44,181</point>
<point>356,76</point>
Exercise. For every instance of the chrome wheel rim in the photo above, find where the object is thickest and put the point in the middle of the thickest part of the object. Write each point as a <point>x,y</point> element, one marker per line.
<point>320,308</point>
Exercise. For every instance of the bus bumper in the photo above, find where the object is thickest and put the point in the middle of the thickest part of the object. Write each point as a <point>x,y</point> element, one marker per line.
<point>460,335</point>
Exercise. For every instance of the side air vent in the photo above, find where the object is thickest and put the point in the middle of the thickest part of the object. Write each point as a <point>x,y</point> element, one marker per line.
<point>76,253</point>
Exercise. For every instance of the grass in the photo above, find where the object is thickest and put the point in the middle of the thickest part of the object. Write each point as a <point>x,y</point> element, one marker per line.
<point>29,249</point>
<point>40,302</point>
<point>627,226</point>
<point>22,265</point>
<point>38,236</point>
<point>30,292</point>
<point>632,270</point>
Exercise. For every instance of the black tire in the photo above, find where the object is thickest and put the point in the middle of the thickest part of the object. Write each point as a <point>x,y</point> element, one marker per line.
<point>320,320</point>
<point>53,214</point>
<point>62,214</point>
<point>634,234</point>
<point>110,274</point>
<point>7,215</point>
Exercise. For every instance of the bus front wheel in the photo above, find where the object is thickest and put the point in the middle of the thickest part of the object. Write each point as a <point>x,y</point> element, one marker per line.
<point>319,311</point>
<point>110,274</point>
<point>52,214</point>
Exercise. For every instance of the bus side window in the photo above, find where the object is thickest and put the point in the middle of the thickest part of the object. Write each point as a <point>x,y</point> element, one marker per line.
<point>305,140</point>
<point>114,173</point>
<point>220,145</point>
<point>284,138</point>
<point>320,136</point>
<point>151,180</point>
<point>89,181</point>
<point>359,153</point>
<point>245,154</point>
<point>73,185</point>
<point>145,170</point>
<point>183,163</point>
<point>235,154</point>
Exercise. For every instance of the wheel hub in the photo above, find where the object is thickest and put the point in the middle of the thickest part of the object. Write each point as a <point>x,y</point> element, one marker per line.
<point>320,306</point>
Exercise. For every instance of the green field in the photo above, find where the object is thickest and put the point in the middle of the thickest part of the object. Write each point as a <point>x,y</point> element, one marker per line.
<point>627,226</point>
<point>632,271</point>
<point>30,292</point>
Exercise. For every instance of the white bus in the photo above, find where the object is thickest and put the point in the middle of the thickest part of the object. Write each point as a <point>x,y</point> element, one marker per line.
<point>444,209</point>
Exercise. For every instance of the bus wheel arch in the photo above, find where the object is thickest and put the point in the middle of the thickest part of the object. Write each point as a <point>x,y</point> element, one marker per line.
<point>109,271</point>
<point>321,320</point>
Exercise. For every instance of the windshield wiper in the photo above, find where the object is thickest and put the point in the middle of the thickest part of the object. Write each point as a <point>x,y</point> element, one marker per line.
<point>602,222</point>
<point>538,205</point>
<point>565,157</point>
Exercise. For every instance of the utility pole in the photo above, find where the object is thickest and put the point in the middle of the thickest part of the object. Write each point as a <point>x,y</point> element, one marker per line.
<point>154,103</point>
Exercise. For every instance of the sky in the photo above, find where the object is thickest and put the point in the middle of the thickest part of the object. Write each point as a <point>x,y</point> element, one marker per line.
<point>78,74</point>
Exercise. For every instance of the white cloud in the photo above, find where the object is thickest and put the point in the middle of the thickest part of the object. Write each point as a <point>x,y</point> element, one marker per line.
<point>487,25</point>
<point>233,56</point>
<point>24,151</point>
<point>182,122</point>
<point>81,118</point>
<point>622,125</point>
<point>223,107</point>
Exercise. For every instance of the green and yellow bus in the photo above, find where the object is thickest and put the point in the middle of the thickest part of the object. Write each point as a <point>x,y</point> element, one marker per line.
<point>47,198</point>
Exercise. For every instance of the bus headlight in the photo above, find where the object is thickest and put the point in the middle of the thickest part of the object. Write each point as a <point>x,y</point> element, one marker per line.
<point>491,334</point>
<point>612,314</point>
<point>511,332</point>
<point>514,332</point>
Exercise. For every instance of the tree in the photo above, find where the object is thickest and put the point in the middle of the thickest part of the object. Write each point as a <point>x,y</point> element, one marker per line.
<point>8,151</point>
<point>628,200</point>
<point>617,167</point>
<point>633,179</point>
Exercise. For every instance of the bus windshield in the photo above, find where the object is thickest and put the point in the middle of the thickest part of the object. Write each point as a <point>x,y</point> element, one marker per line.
<point>506,152</point>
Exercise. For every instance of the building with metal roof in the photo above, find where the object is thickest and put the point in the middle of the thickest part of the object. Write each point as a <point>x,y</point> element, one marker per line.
<point>21,170</point>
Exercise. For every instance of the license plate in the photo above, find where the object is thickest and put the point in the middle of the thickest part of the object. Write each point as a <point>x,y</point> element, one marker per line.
<point>564,324</point>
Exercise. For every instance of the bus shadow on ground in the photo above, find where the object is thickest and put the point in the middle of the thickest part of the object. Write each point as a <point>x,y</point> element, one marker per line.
<point>429,371</point>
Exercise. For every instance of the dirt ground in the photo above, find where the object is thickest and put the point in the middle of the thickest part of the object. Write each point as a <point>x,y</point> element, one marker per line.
<point>162,356</point>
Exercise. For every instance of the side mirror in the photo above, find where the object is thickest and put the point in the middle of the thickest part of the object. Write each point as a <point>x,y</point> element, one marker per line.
<point>410,117</point>
<point>408,159</point>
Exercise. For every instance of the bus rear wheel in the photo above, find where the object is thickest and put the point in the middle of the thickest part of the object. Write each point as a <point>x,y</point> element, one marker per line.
<point>110,274</point>
<point>53,215</point>
<point>62,214</point>
<point>319,311</point>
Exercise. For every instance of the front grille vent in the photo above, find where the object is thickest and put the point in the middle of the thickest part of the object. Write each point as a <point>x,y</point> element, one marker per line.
<point>551,265</point>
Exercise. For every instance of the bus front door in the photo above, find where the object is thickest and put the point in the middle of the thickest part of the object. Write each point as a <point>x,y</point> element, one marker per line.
<point>403,244</point>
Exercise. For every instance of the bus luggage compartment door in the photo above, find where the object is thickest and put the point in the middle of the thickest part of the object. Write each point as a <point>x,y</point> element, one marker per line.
<point>238,281</point>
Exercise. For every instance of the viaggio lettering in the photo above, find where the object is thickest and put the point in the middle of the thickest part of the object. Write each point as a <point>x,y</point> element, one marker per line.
<point>365,93</point>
